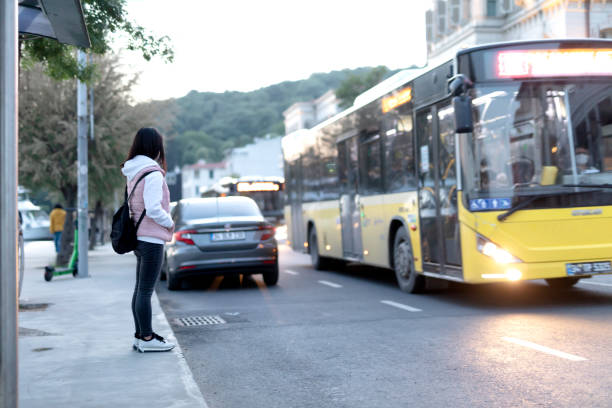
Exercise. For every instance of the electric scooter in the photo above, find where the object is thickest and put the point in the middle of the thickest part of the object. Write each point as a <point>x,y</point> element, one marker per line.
<point>73,264</point>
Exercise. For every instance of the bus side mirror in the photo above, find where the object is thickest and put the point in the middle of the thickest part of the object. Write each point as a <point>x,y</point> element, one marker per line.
<point>462,105</point>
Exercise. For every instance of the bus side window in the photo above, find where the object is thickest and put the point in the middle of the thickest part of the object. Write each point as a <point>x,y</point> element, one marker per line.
<point>370,165</point>
<point>399,152</point>
<point>329,175</point>
<point>311,175</point>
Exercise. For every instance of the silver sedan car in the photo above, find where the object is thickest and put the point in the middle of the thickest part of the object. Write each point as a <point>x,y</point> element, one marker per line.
<point>220,236</point>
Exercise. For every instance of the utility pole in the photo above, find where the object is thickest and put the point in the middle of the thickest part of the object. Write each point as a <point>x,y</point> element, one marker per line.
<point>82,206</point>
<point>91,104</point>
<point>8,204</point>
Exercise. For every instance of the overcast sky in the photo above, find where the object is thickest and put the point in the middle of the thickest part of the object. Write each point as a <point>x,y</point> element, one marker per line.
<point>244,45</point>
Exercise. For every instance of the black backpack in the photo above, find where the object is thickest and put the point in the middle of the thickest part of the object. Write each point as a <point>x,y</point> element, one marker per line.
<point>123,232</point>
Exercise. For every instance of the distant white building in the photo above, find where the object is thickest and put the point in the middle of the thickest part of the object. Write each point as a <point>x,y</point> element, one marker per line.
<point>455,24</point>
<point>304,115</point>
<point>200,177</point>
<point>263,158</point>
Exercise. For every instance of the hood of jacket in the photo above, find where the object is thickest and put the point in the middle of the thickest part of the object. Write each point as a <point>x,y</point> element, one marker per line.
<point>135,165</point>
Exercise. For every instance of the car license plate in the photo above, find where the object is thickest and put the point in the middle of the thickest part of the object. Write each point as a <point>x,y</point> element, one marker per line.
<point>588,268</point>
<point>228,236</point>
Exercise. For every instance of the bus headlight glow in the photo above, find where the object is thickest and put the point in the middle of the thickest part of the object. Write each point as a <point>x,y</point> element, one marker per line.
<point>513,274</point>
<point>491,250</point>
<point>281,233</point>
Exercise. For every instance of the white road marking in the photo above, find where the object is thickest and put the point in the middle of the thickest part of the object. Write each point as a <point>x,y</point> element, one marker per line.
<point>290,272</point>
<point>400,306</point>
<point>543,349</point>
<point>596,283</point>
<point>331,284</point>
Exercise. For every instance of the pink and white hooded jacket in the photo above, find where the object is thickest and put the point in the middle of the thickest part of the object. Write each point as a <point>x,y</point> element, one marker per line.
<point>151,194</point>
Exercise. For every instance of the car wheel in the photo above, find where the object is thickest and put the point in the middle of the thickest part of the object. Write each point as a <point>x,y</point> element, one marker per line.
<point>271,278</point>
<point>318,262</point>
<point>403,264</point>
<point>172,282</point>
<point>562,283</point>
<point>164,269</point>
<point>48,273</point>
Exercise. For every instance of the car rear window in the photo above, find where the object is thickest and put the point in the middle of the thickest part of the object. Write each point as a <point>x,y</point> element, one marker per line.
<point>238,208</point>
<point>226,208</point>
<point>202,209</point>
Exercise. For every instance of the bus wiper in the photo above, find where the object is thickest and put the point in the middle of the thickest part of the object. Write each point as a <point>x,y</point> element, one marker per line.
<point>589,185</point>
<point>531,199</point>
<point>519,206</point>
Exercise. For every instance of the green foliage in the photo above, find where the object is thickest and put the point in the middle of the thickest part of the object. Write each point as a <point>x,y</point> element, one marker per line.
<point>358,83</point>
<point>48,129</point>
<point>209,124</point>
<point>103,18</point>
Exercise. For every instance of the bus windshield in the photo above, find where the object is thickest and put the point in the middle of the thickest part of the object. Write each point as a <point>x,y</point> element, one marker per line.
<point>537,137</point>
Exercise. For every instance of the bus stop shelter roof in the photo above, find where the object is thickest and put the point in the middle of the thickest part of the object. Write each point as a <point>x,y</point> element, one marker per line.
<point>61,20</point>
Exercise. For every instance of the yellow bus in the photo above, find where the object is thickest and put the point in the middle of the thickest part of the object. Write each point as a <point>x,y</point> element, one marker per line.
<point>493,166</point>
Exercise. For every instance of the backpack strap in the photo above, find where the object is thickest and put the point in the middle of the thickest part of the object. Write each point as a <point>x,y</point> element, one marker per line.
<point>140,219</point>
<point>127,198</point>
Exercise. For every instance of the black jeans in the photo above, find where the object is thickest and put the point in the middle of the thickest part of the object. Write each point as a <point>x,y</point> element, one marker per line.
<point>148,266</point>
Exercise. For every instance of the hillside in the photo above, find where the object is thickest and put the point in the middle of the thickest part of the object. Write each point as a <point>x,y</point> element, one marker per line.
<point>207,124</point>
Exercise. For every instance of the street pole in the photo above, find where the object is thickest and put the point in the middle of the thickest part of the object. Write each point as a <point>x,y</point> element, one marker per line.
<point>82,213</point>
<point>91,104</point>
<point>8,204</point>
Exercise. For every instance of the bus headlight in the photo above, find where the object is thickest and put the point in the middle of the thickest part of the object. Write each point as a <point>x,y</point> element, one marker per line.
<point>513,274</point>
<point>491,250</point>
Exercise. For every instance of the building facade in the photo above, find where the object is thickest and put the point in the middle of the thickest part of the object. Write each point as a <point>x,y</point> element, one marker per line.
<point>201,176</point>
<point>455,24</point>
<point>304,115</point>
<point>263,158</point>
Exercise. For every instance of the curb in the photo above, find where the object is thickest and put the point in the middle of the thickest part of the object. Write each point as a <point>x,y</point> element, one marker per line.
<point>186,376</point>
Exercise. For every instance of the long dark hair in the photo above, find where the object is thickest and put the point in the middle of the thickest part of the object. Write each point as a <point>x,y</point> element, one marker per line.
<point>148,142</point>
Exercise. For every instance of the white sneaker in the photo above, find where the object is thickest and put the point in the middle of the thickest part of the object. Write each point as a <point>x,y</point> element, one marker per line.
<point>157,343</point>
<point>135,345</point>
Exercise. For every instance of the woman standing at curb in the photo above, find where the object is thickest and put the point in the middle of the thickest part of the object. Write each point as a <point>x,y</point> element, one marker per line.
<point>151,195</point>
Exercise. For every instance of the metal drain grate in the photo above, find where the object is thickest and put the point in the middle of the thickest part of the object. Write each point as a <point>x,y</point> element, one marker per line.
<point>201,320</point>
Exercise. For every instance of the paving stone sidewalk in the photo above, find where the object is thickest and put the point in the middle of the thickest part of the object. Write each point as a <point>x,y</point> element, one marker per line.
<point>75,344</point>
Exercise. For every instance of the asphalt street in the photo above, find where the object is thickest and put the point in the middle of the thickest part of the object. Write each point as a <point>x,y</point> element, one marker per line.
<point>351,338</point>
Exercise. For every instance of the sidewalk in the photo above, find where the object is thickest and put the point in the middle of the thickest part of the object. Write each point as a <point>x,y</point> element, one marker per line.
<point>77,352</point>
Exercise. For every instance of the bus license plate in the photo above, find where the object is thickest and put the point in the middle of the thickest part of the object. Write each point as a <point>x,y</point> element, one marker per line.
<point>588,268</point>
<point>228,236</point>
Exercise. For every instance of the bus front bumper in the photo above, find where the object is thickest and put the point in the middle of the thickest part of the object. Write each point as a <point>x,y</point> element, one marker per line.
<point>538,270</point>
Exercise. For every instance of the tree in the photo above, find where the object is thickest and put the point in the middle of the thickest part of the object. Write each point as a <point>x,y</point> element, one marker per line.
<point>47,133</point>
<point>104,18</point>
<point>358,83</point>
<point>234,119</point>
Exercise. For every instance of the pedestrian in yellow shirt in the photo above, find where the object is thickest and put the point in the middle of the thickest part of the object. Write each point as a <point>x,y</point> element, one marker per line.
<point>56,224</point>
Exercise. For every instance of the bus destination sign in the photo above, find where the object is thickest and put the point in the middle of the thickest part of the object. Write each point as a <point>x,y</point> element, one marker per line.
<point>554,63</point>
<point>399,98</point>
<point>244,186</point>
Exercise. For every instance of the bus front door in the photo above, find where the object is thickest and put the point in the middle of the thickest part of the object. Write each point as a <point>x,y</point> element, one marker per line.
<point>350,207</point>
<point>440,244</point>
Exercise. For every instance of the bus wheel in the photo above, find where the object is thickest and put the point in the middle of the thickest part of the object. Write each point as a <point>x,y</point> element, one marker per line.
<point>403,263</point>
<point>318,262</point>
<point>562,283</point>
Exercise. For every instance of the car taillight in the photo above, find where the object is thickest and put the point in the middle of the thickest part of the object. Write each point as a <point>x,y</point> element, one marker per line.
<point>184,237</point>
<point>267,232</point>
